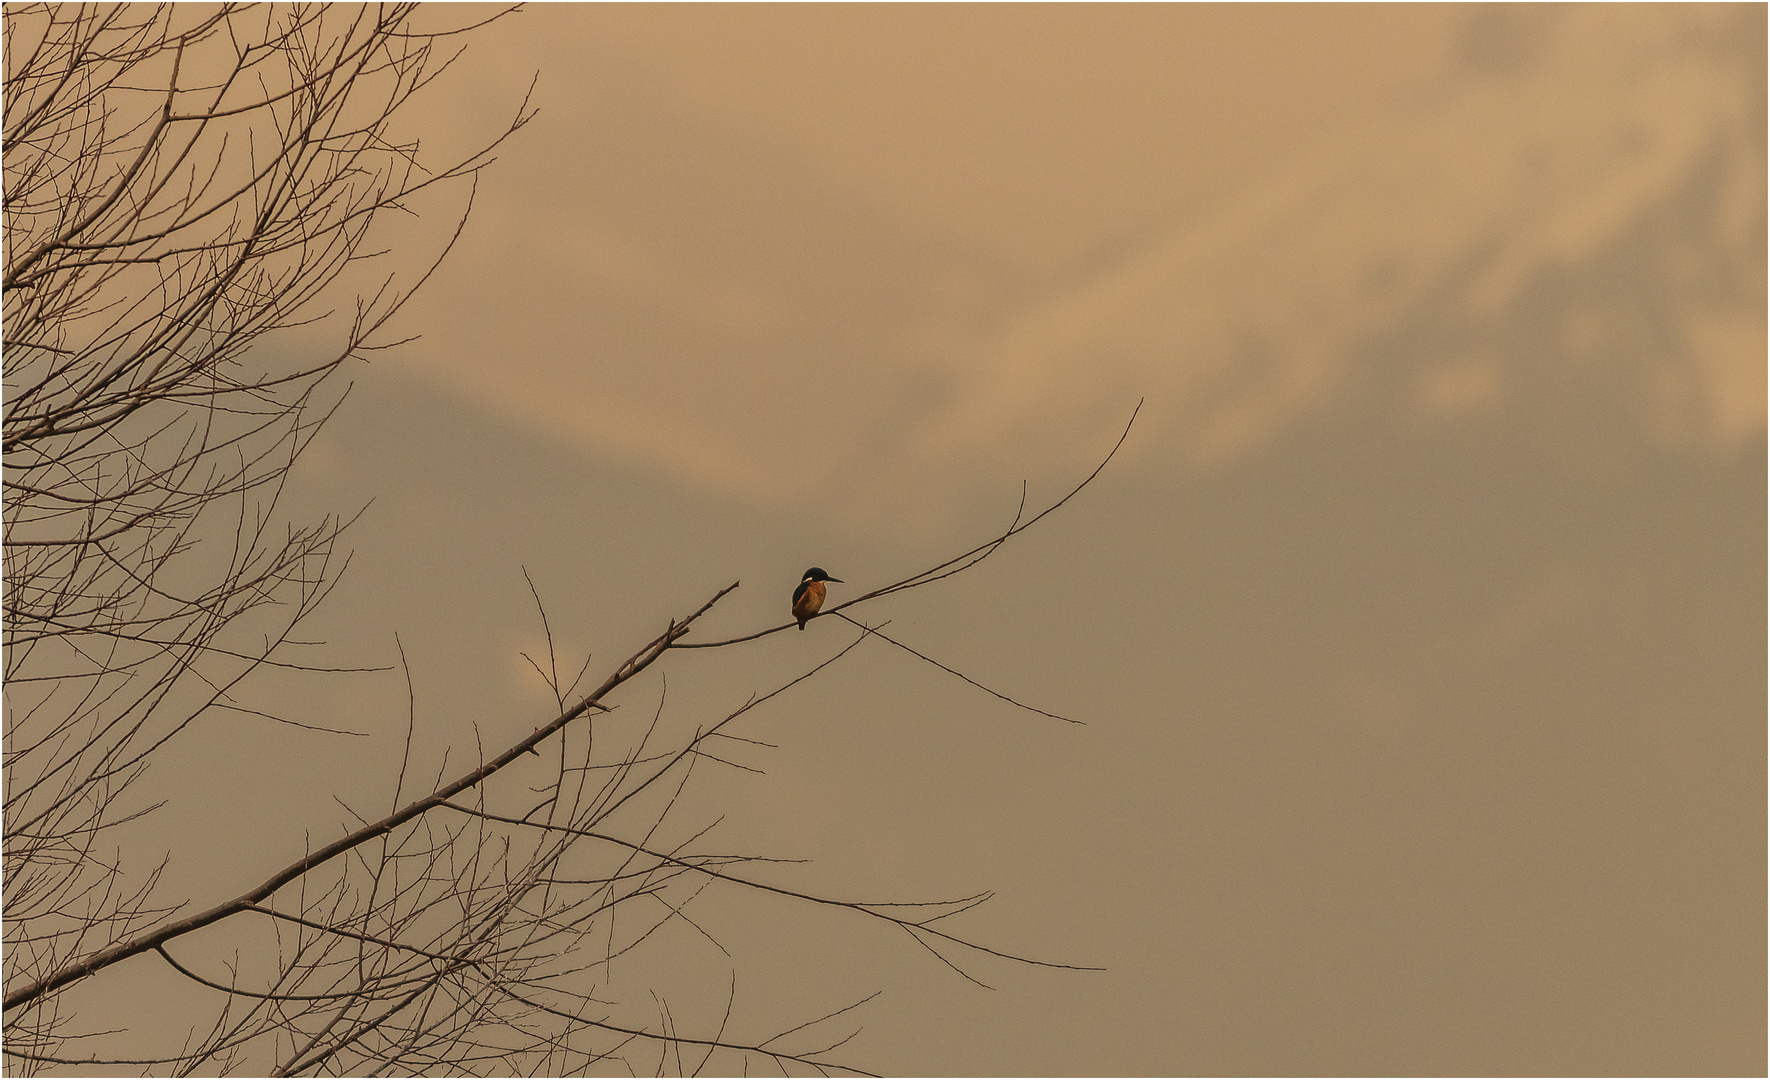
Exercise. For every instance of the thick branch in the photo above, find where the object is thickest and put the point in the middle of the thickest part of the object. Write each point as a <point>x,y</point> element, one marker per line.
<point>123,950</point>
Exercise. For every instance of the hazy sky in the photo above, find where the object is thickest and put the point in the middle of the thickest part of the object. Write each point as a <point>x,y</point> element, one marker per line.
<point>1419,629</point>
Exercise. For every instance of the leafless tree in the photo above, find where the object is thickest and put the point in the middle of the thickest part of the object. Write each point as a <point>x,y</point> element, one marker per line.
<point>184,190</point>
<point>182,186</point>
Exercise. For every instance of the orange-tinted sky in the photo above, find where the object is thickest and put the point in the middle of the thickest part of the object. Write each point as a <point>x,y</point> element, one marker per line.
<point>991,223</point>
<point>1419,629</point>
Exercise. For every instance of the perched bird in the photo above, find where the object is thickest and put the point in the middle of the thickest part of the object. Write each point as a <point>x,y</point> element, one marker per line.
<point>809,596</point>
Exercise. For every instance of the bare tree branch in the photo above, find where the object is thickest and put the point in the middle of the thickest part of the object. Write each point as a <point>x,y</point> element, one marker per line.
<point>956,564</point>
<point>189,193</point>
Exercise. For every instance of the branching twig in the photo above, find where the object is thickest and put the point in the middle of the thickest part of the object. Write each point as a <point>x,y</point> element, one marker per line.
<point>957,564</point>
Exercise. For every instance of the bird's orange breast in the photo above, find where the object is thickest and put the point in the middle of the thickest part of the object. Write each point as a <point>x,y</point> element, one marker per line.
<point>809,601</point>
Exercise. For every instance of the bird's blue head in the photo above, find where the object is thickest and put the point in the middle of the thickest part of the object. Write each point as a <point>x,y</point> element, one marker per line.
<point>816,573</point>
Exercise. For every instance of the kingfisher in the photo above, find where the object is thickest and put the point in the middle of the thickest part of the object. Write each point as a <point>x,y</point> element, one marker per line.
<point>809,596</point>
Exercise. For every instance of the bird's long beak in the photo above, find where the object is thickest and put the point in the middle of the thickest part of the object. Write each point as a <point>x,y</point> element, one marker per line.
<point>837,580</point>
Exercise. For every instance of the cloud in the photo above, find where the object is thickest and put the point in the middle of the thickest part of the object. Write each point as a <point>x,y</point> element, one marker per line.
<point>1582,189</point>
<point>1620,146</point>
<point>657,285</point>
